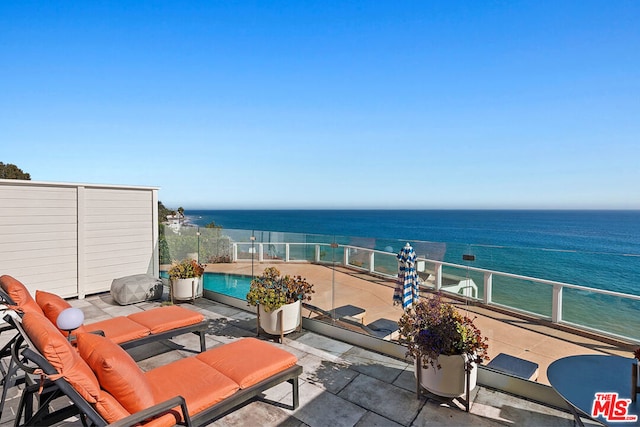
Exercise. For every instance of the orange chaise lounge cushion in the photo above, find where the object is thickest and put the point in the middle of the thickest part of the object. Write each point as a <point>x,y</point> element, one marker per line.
<point>199,384</point>
<point>162,319</point>
<point>122,329</point>
<point>19,293</point>
<point>52,305</point>
<point>118,329</point>
<point>109,408</point>
<point>248,361</point>
<point>61,355</point>
<point>117,372</point>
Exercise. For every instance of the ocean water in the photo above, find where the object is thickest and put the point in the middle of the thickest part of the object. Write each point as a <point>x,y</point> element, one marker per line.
<point>590,248</point>
<point>597,249</point>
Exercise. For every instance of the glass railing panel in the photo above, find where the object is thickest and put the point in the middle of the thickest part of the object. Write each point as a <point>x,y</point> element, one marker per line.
<point>274,251</point>
<point>300,252</point>
<point>241,242</point>
<point>385,263</point>
<point>601,312</point>
<point>214,246</point>
<point>270,244</point>
<point>363,303</point>
<point>427,273</point>
<point>327,254</point>
<point>475,289</point>
<point>434,251</point>
<point>236,235</point>
<point>525,295</point>
<point>178,245</point>
<point>461,281</point>
<point>359,258</point>
<point>247,251</point>
<point>529,295</point>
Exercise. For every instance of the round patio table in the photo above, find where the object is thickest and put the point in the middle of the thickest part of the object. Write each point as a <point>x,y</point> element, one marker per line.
<point>578,379</point>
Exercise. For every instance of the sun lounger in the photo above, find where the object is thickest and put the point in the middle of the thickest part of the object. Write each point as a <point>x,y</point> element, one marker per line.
<point>106,386</point>
<point>128,331</point>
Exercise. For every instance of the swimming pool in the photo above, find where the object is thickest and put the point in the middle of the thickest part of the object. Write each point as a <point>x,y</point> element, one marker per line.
<point>233,285</point>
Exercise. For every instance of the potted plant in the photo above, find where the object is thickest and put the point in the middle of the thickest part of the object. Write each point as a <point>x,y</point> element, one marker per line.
<point>185,279</point>
<point>278,299</point>
<point>445,345</point>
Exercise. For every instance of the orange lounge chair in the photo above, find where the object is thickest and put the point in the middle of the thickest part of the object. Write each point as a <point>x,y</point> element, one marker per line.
<point>127,331</point>
<point>106,386</point>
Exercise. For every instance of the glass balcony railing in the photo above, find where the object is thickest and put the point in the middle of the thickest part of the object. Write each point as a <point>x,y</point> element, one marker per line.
<point>564,287</point>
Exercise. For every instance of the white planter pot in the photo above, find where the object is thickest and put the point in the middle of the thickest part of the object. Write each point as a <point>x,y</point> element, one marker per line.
<point>275,324</point>
<point>449,381</point>
<point>186,289</point>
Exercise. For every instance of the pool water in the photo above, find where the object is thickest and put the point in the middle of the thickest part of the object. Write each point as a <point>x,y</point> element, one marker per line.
<point>233,285</point>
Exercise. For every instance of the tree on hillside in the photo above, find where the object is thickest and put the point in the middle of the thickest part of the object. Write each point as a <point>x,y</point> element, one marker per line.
<point>11,171</point>
<point>163,212</point>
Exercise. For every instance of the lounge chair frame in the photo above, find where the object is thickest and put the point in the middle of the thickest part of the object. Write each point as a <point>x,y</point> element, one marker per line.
<point>79,406</point>
<point>12,378</point>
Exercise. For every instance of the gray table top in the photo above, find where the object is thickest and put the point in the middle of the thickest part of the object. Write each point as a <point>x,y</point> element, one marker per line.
<point>577,379</point>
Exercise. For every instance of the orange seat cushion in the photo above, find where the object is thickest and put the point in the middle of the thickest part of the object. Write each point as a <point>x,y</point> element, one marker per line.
<point>52,305</point>
<point>162,319</point>
<point>248,360</point>
<point>109,408</point>
<point>61,355</point>
<point>199,384</point>
<point>117,372</point>
<point>119,329</point>
<point>19,294</point>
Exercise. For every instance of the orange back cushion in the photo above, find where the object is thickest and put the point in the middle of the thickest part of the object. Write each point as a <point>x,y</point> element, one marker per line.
<point>52,305</point>
<point>19,294</point>
<point>117,372</point>
<point>62,356</point>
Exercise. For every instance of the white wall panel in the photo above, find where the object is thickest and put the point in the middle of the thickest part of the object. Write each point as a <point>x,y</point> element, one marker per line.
<point>118,233</point>
<point>74,239</point>
<point>38,240</point>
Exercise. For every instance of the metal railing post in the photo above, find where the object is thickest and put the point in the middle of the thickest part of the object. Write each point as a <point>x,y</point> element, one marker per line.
<point>438,271</point>
<point>286,253</point>
<point>234,252</point>
<point>261,252</point>
<point>556,313</point>
<point>488,287</point>
<point>372,262</point>
<point>317,257</point>
<point>346,256</point>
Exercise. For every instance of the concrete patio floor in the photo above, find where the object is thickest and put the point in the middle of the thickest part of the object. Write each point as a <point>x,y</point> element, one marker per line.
<point>342,385</point>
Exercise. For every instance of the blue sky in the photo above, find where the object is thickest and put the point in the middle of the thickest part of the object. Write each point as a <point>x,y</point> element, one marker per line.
<point>324,104</point>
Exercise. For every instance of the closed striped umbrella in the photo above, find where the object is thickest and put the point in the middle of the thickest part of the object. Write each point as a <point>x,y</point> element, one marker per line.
<point>406,290</point>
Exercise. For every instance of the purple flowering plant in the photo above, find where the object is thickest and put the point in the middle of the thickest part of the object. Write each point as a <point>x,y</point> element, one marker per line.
<point>434,326</point>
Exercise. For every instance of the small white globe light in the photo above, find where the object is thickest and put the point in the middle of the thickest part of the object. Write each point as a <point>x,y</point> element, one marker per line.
<point>70,319</point>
